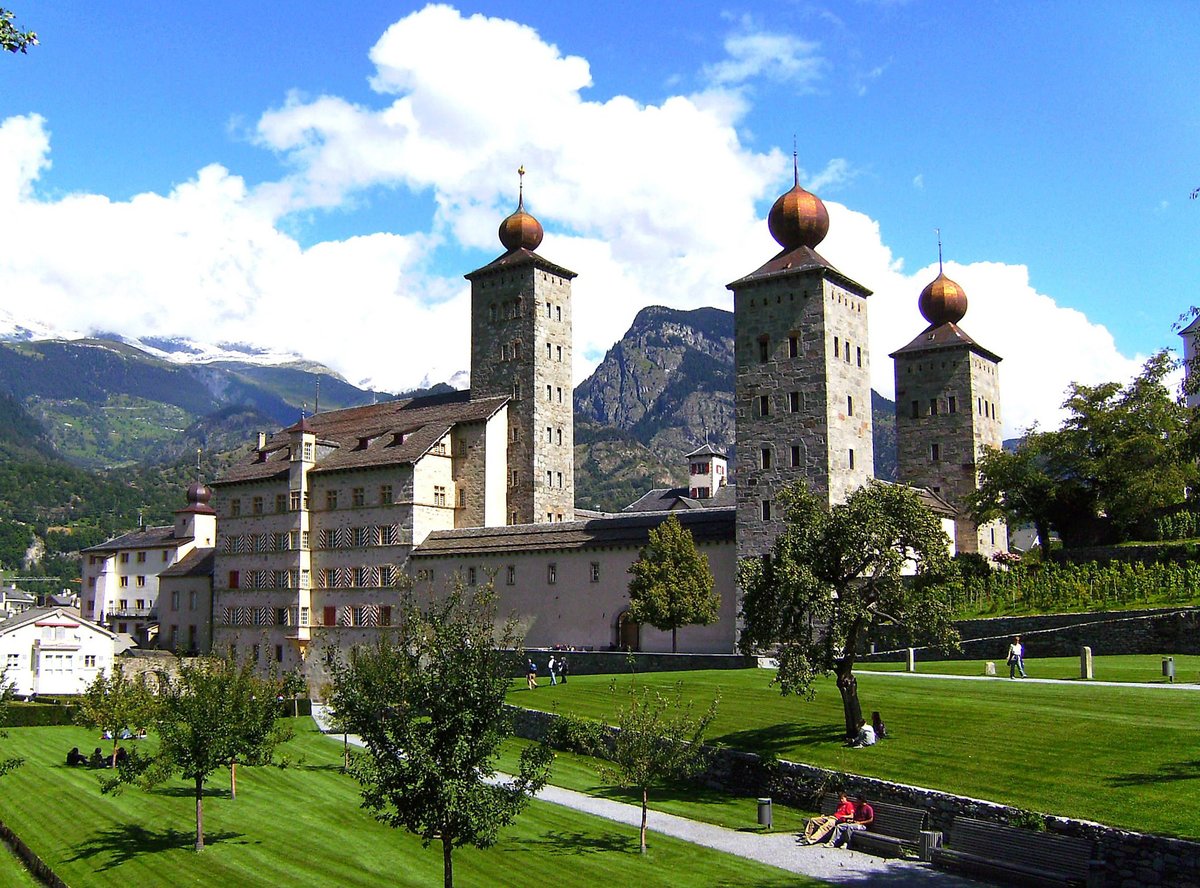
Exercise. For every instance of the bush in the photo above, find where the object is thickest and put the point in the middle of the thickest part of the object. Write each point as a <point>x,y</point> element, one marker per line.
<point>39,715</point>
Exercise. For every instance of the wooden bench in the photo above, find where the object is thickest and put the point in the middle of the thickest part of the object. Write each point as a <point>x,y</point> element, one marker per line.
<point>1021,856</point>
<point>895,830</point>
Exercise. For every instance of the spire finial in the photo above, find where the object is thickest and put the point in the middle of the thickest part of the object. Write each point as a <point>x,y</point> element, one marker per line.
<point>521,187</point>
<point>795,163</point>
<point>197,464</point>
<point>939,237</point>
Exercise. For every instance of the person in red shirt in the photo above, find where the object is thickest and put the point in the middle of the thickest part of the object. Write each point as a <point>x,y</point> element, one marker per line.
<point>864,816</point>
<point>820,828</point>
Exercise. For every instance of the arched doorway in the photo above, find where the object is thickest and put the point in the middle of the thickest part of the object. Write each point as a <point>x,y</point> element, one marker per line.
<point>629,633</point>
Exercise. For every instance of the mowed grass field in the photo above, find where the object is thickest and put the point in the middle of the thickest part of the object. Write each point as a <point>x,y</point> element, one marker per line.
<point>1136,669</point>
<point>1126,756</point>
<point>302,825</point>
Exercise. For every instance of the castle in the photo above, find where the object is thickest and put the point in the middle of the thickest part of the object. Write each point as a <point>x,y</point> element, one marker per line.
<point>324,519</point>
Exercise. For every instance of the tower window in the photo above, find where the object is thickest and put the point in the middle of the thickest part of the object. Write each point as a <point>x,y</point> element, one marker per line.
<point>849,405</point>
<point>851,460</point>
<point>559,474</point>
<point>548,351</point>
<point>549,389</point>
<point>916,408</point>
<point>492,312</point>
<point>558,435</point>
<point>951,405</point>
<point>793,402</point>
<point>858,354</point>
<point>766,510</point>
<point>558,352</point>
<point>549,483</point>
<point>765,457</point>
<point>933,407</point>
<point>516,390</point>
<point>793,346</point>
<point>764,349</point>
<point>837,346</point>
<point>847,356</point>
<point>549,308</point>
<point>558,312</point>
<point>795,456</point>
<point>549,435</point>
<point>935,452</point>
<point>764,405</point>
<point>559,392</point>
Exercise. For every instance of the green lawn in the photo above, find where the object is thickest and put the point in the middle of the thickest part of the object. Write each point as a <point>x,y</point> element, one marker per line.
<point>1139,668</point>
<point>579,772</point>
<point>1125,756</point>
<point>303,826</point>
<point>12,872</point>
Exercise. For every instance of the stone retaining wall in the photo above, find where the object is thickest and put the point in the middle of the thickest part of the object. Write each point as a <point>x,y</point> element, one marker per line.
<point>618,662</point>
<point>1131,859</point>
<point>1160,632</point>
<point>33,863</point>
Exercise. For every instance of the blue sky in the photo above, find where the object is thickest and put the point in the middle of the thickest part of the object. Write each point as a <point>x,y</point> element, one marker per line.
<point>233,170</point>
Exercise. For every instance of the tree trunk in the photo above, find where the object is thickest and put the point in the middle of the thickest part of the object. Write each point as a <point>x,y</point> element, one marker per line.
<point>1043,532</point>
<point>674,646</point>
<point>116,746</point>
<point>447,863</point>
<point>645,804</point>
<point>848,688</point>
<point>199,814</point>
<point>233,780</point>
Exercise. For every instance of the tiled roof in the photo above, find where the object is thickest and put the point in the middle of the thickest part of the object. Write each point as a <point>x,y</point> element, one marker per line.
<point>705,450</point>
<point>196,563</point>
<point>795,261</point>
<point>391,433</point>
<point>38,614</point>
<point>948,335</point>
<point>142,538</point>
<point>518,257</point>
<point>665,498</point>
<point>706,525</point>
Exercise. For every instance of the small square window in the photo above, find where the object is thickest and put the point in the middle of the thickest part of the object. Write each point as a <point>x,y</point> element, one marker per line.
<point>551,573</point>
<point>358,496</point>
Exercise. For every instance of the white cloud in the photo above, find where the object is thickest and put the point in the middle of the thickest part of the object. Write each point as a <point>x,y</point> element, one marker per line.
<point>780,57</point>
<point>650,204</point>
<point>919,181</point>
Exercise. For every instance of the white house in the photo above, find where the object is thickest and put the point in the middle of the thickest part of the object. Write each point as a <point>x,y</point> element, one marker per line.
<point>52,650</point>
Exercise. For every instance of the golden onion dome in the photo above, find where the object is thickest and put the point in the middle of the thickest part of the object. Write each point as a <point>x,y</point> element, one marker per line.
<point>942,301</point>
<point>798,218</point>
<point>520,230</point>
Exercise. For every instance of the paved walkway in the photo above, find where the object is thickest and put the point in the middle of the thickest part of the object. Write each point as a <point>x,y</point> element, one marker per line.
<point>1077,682</point>
<point>837,866</point>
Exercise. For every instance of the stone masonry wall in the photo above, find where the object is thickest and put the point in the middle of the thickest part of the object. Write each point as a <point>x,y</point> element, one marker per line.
<point>1131,859</point>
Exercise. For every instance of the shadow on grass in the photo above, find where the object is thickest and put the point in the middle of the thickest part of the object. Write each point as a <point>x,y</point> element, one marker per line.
<point>189,792</point>
<point>780,738</point>
<point>558,842</point>
<point>121,843</point>
<point>1170,772</point>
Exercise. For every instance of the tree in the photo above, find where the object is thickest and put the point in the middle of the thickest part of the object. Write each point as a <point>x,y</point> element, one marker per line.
<point>114,703</point>
<point>834,572</point>
<point>1124,454</point>
<point>672,585</point>
<point>207,713</point>
<point>12,38</point>
<point>6,692</point>
<point>658,740</point>
<point>428,703</point>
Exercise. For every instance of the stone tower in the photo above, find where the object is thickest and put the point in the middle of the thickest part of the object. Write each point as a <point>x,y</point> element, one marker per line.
<point>521,347</point>
<point>803,387</point>
<point>948,410</point>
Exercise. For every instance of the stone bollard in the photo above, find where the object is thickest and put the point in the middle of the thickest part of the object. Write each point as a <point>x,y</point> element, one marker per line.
<point>989,668</point>
<point>1085,663</point>
<point>911,663</point>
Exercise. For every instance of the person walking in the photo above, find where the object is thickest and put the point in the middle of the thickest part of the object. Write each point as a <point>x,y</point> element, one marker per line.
<point>531,674</point>
<point>563,668</point>
<point>1016,658</point>
<point>550,668</point>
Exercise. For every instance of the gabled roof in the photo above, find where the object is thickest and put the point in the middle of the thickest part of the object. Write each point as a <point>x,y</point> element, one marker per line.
<point>670,498</point>
<point>947,336</point>
<point>706,450</point>
<point>143,538</point>
<point>196,563</point>
<point>706,525</point>
<point>51,614</point>
<point>801,259</point>
<point>391,433</point>
<point>515,259</point>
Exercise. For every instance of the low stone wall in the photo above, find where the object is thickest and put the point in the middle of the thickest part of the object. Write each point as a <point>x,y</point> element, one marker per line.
<point>40,869</point>
<point>618,662</point>
<point>1131,859</point>
<point>1164,631</point>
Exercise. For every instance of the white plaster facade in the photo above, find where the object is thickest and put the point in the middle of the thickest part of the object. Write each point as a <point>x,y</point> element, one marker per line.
<point>53,651</point>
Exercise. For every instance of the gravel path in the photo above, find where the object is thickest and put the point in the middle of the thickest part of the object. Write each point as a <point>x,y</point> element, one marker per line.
<point>837,866</point>
<point>1176,686</point>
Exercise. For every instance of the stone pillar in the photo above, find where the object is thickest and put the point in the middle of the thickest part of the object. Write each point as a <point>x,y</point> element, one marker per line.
<point>910,663</point>
<point>1085,662</point>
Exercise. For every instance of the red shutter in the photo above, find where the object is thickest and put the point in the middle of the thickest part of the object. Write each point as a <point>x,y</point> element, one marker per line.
<point>233,579</point>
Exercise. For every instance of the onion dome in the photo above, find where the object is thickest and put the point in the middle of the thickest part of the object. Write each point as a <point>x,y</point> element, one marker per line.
<point>798,218</point>
<point>942,301</point>
<point>520,230</point>
<point>198,494</point>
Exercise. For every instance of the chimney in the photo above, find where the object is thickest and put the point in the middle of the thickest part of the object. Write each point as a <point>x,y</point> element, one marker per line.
<point>262,440</point>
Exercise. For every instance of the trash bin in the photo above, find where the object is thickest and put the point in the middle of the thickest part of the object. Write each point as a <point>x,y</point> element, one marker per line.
<point>929,841</point>
<point>764,813</point>
<point>1169,668</point>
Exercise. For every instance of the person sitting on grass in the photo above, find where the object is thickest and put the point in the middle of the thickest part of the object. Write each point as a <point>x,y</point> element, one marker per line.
<point>864,816</point>
<point>877,723</point>
<point>75,758</point>
<point>97,759</point>
<point>864,737</point>
<point>820,828</point>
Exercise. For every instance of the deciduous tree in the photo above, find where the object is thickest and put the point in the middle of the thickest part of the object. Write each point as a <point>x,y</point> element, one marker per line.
<point>672,585</point>
<point>428,703</point>
<point>116,702</point>
<point>12,38</point>
<point>834,572</point>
